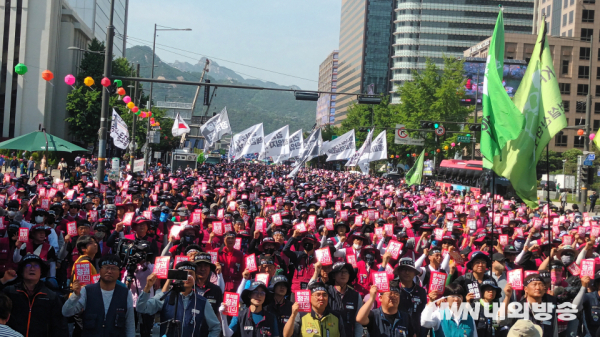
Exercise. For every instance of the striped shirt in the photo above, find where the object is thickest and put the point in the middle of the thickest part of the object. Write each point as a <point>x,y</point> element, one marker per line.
<point>5,331</point>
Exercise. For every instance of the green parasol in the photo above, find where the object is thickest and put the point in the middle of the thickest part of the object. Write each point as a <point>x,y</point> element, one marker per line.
<point>38,141</point>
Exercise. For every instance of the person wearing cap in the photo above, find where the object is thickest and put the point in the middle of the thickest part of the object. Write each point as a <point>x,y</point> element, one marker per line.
<point>302,261</point>
<point>34,305</point>
<point>442,320</point>
<point>194,312</point>
<point>116,316</point>
<point>37,245</point>
<point>253,320</point>
<point>357,240</point>
<point>139,227</point>
<point>204,286</point>
<point>479,263</point>
<point>280,305</point>
<point>535,293</point>
<point>436,263</point>
<point>388,319</point>
<point>232,262</point>
<point>590,305</point>
<point>413,297</point>
<point>266,265</point>
<point>498,273</point>
<point>525,328</point>
<point>342,298</point>
<point>490,293</point>
<point>320,321</point>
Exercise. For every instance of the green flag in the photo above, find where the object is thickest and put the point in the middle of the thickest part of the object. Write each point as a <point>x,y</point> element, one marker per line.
<point>414,176</point>
<point>538,98</point>
<point>501,120</point>
<point>597,139</point>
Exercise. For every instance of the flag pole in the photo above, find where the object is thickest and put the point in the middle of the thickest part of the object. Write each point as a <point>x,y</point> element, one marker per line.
<point>548,191</point>
<point>493,212</point>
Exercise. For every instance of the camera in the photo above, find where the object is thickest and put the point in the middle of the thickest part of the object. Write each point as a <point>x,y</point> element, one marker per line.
<point>178,277</point>
<point>131,254</point>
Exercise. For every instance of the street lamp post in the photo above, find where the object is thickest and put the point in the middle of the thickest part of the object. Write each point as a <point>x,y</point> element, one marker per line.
<point>110,32</point>
<point>147,150</point>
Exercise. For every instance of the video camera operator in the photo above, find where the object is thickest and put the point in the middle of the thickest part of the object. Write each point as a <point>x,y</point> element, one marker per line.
<point>193,311</point>
<point>139,226</point>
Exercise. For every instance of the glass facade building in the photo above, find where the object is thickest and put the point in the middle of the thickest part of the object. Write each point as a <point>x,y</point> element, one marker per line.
<point>328,72</point>
<point>437,28</point>
<point>95,13</point>
<point>364,52</point>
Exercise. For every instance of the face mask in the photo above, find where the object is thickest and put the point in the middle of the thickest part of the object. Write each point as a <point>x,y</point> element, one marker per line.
<point>99,235</point>
<point>369,259</point>
<point>308,246</point>
<point>39,219</point>
<point>269,251</point>
<point>566,259</point>
<point>519,245</point>
<point>163,217</point>
<point>356,247</point>
<point>188,238</point>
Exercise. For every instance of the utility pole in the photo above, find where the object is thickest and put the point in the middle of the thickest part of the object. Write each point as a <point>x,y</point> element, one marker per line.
<point>204,71</point>
<point>110,32</point>
<point>136,99</point>
<point>588,117</point>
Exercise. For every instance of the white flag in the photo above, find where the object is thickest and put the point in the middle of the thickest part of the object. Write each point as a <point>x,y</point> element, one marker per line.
<point>378,148</point>
<point>246,142</point>
<point>275,143</point>
<point>364,150</point>
<point>342,147</point>
<point>312,143</point>
<point>118,131</point>
<point>214,129</point>
<point>293,147</point>
<point>179,126</point>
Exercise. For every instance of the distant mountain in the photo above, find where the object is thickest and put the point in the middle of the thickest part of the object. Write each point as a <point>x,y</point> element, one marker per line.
<point>245,107</point>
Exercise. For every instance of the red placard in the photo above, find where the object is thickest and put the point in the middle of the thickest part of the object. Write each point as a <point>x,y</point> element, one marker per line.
<point>503,239</point>
<point>312,220</point>
<point>72,228</point>
<point>227,227</point>
<point>323,255</point>
<point>329,224</point>
<point>232,304</point>
<point>23,234</point>
<point>519,231</point>
<point>262,277</point>
<point>574,269</point>
<point>276,219</point>
<point>83,273</point>
<point>213,257</point>
<point>93,215</point>
<point>351,258</point>
<point>588,268</point>
<point>161,267</point>
<point>380,279</point>
<point>118,199</point>
<point>437,282</point>
<point>358,220</point>
<point>595,232</point>
<point>217,228</point>
<point>406,223</point>
<point>251,263</point>
<point>303,300</point>
<point>344,215</point>
<point>196,218</point>
<point>232,206</point>
<point>180,258</point>
<point>439,234</point>
<point>127,218</point>
<point>379,232</point>
<point>394,248</point>
<point>95,278</point>
<point>515,278</point>
<point>389,229</point>
<point>221,213</point>
<point>301,227</point>
<point>567,239</point>
<point>238,244</point>
<point>259,225</point>
<point>537,223</point>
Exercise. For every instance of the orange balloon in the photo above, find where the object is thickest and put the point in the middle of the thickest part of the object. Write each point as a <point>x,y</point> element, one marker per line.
<point>580,132</point>
<point>120,91</point>
<point>47,75</point>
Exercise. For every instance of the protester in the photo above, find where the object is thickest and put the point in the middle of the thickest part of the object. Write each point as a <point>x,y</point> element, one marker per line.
<point>5,312</point>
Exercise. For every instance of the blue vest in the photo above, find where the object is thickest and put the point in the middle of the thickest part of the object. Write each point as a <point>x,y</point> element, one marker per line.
<point>194,316</point>
<point>448,327</point>
<point>95,323</point>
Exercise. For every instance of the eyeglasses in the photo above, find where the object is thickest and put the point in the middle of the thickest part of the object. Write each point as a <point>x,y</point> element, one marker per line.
<point>320,295</point>
<point>32,266</point>
<point>393,294</point>
<point>259,293</point>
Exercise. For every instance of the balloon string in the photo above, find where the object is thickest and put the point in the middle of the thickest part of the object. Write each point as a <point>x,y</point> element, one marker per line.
<point>51,83</point>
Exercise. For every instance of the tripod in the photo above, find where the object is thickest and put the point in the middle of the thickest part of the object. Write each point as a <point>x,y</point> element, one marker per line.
<point>173,298</point>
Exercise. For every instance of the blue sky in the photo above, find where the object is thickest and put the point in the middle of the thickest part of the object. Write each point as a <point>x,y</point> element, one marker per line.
<point>291,37</point>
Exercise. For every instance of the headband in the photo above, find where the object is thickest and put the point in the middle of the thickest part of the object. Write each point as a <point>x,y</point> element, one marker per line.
<point>109,263</point>
<point>192,251</point>
<point>395,289</point>
<point>536,278</point>
<point>187,267</point>
<point>315,289</point>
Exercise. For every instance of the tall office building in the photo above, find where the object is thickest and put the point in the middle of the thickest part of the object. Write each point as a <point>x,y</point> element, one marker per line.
<point>39,34</point>
<point>365,40</point>
<point>437,28</point>
<point>328,72</point>
<point>95,14</point>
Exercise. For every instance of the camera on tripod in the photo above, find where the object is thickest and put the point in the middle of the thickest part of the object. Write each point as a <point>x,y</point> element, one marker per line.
<point>131,254</point>
<point>178,277</point>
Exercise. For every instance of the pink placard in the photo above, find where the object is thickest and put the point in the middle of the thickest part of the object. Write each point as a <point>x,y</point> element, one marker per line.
<point>72,228</point>
<point>127,218</point>
<point>329,224</point>
<point>588,268</point>
<point>323,255</point>
<point>232,304</point>
<point>380,279</point>
<point>251,263</point>
<point>303,300</point>
<point>23,234</point>
<point>83,273</point>
<point>161,266</point>
<point>394,248</point>
<point>437,282</point>
<point>515,278</point>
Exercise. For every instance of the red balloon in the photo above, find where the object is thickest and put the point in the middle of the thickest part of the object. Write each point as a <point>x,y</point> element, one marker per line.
<point>165,137</point>
<point>105,82</point>
<point>47,75</point>
<point>121,92</point>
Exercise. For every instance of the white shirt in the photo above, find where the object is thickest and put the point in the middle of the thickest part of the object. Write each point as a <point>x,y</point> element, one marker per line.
<point>431,318</point>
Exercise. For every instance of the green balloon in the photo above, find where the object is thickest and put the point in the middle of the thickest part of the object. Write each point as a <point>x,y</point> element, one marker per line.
<point>118,83</point>
<point>408,155</point>
<point>20,69</point>
<point>138,113</point>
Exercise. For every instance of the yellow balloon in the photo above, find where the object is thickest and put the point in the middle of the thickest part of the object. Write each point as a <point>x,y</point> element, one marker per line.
<point>446,147</point>
<point>88,81</point>
<point>130,105</point>
<point>157,124</point>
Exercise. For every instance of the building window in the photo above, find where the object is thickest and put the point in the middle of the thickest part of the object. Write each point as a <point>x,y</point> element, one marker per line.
<point>597,108</point>
<point>570,33</point>
<point>589,1</point>
<point>564,20</point>
<point>596,124</point>
<point>566,106</point>
<point>560,139</point>
<point>564,69</point>
<point>566,4</point>
<point>580,108</point>
<point>582,89</point>
<point>580,122</point>
<point>543,11</point>
<point>586,33</point>
<point>587,15</point>
<point>584,72</point>
<point>571,17</point>
<point>597,90</point>
<point>584,53</point>
<point>578,141</point>
<point>565,88</point>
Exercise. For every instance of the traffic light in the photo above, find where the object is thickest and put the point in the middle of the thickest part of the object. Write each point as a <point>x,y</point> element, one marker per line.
<point>587,175</point>
<point>206,93</point>
<point>429,125</point>
<point>475,127</point>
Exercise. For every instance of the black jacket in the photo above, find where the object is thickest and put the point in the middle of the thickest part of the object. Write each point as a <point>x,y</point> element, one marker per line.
<point>36,315</point>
